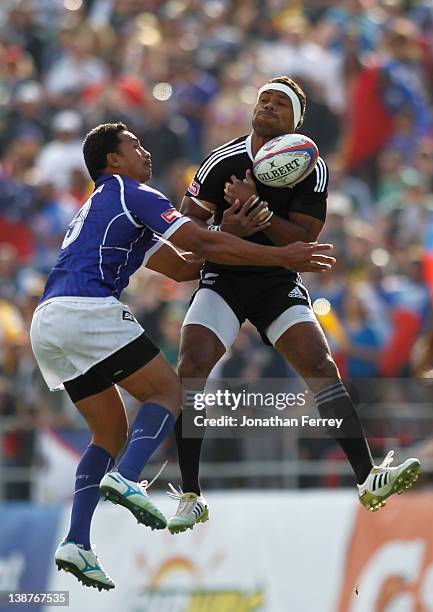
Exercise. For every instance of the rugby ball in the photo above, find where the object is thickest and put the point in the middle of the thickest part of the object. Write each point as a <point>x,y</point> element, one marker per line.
<point>285,160</point>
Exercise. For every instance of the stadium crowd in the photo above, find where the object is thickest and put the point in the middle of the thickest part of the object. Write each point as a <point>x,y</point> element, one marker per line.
<point>183,75</point>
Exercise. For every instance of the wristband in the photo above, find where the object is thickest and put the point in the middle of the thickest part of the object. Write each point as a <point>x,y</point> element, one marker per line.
<point>214,228</point>
<point>271,212</point>
<point>265,211</point>
<point>254,204</point>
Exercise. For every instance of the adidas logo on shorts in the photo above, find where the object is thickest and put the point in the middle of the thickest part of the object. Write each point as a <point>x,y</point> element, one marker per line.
<point>296,293</point>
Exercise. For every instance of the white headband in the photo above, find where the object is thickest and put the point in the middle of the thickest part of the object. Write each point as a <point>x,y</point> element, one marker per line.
<point>296,104</point>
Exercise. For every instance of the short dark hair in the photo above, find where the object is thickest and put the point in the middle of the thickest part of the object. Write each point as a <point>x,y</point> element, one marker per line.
<point>100,141</point>
<point>298,91</point>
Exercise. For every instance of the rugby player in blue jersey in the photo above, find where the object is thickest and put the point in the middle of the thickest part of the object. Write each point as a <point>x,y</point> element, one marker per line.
<point>85,340</point>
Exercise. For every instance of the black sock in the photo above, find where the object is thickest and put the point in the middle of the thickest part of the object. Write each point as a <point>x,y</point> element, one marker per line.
<point>334,403</point>
<point>189,449</point>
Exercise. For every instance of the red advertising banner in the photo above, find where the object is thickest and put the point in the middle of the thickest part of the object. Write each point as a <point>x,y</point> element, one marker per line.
<point>389,559</point>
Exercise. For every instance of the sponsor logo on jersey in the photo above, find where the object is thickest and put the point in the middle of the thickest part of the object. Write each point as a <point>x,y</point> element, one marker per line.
<point>127,316</point>
<point>170,215</point>
<point>194,188</point>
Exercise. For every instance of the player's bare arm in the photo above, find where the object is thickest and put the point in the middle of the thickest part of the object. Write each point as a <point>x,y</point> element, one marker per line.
<point>199,211</point>
<point>178,266</point>
<point>221,247</point>
<point>280,231</point>
<point>235,221</point>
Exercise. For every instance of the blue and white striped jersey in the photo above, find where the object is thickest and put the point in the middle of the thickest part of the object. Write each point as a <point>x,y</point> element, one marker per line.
<point>110,238</point>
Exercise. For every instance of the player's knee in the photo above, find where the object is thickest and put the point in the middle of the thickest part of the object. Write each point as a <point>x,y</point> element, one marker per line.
<point>193,364</point>
<point>324,367</point>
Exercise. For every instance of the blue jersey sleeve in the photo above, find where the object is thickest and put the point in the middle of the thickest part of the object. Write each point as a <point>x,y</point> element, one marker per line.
<point>150,208</point>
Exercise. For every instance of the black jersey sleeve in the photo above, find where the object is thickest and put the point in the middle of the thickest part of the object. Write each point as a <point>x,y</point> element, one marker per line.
<point>310,195</point>
<point>208,182</point>
<point>209,188</point>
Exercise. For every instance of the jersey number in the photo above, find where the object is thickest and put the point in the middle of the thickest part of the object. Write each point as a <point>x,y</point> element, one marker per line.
<point>76,225</point>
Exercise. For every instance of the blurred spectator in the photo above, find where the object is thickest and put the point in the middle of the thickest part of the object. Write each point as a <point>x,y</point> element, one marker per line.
<point>363,342</point>
<point>64,154</point>
<point>161,135</point>
<point>193,90</point>
<point>75,66</point>
<point>27,118</point>
<point>228,113</point>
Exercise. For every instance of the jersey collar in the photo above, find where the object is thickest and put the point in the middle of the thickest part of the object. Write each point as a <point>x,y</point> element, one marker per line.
<point>248,145</point>
<point>103,178</point>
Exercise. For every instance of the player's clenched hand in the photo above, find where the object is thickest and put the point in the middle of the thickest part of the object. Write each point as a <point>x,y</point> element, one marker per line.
<point>237,189</point>
<point>307,257</point>
<point>238,222</point>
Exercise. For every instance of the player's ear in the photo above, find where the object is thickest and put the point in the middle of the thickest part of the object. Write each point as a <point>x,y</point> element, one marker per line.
<point>113,160</point>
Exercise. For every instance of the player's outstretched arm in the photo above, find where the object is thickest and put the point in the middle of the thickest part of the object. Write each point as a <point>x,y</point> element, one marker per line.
<point>226,249</point>
<point>178,266</point>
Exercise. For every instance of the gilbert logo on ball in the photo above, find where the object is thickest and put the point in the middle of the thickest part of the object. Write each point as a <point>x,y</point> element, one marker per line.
<point>285,160</point>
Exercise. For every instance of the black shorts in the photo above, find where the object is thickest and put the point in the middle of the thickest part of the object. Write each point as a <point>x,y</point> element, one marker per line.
<point>259,296</point>
<point>112,369</point>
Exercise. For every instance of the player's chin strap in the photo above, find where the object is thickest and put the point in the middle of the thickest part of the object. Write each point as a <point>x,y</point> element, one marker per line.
<point>296,103</point>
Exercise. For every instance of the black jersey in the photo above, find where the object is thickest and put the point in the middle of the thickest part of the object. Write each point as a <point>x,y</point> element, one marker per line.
<point>235,157</point>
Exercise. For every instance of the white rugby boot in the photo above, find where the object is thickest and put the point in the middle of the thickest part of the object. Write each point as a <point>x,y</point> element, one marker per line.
<point>83,564</point>
<point>192,509</point>
<point>133,496</point>
<point>383,481</point>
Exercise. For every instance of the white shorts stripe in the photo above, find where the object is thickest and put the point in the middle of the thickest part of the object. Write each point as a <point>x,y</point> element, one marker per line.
<point>211,311</point>
<point>290,317</point>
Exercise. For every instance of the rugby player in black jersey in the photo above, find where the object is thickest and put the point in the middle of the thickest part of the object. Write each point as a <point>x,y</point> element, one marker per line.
<point>274,300</point>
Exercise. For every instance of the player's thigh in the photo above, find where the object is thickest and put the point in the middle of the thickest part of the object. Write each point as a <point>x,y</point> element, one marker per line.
<point>209,329</point>
<point>200,349</point>
<point>155,382</point>
<point>305,347</point>
<point>104,413</point>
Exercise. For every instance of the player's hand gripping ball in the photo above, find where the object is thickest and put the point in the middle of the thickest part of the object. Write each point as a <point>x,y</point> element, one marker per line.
<point>285,160</point>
